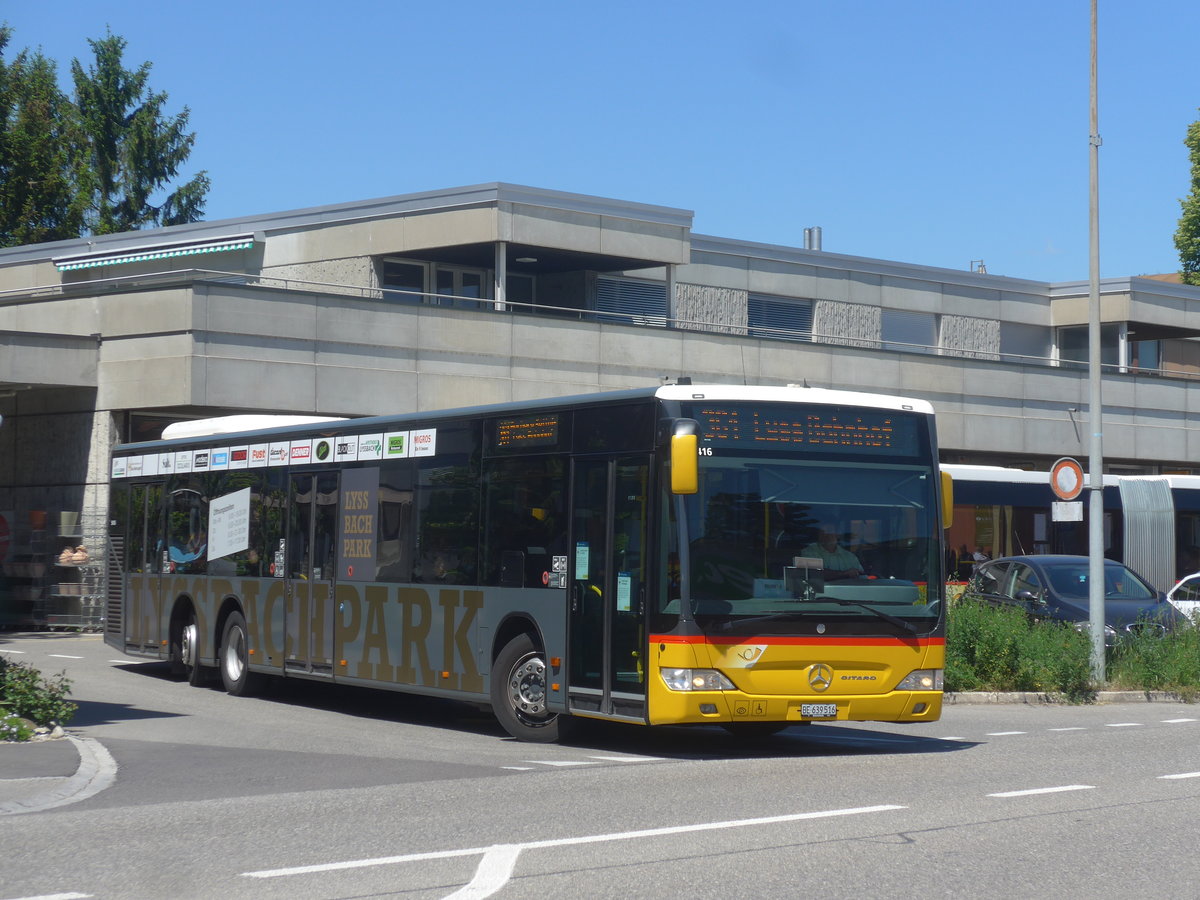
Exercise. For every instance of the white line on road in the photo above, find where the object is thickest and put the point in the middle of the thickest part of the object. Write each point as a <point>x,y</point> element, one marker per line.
<point>6,650</point>
<point>1177,721</point>
<point>629,758</point>
<point>518,768</point>
<point>71,896</point>
<point>63,656</point>
<point>1002,733</point>
<point>1072,728</point>
<point>565,842</point>
<point>1049,790</point>
<point>561,762</point>
<point>1122,724</point>
<point>1182,775</point>
<point>495,869</point>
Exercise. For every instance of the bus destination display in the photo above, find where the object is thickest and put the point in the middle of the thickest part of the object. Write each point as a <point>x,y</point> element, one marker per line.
<point>526,432</point>
<point>811,428</point>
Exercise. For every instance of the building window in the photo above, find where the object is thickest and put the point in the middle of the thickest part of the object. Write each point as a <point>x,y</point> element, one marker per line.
<point>631,301</point>
<point>1073,345</point>
<point>406,279</point>
<point>462,288</point>
<point>913,332</point>
<point>780,318</point>
<point>1024,343</point>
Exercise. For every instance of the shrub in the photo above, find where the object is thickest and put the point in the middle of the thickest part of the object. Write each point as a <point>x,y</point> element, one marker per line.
<point>1001,649</point>
<point>25,693</point>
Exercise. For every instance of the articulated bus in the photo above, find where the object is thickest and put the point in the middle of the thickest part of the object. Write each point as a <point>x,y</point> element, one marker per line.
<point>750,557</point>
<point>1151,522</point>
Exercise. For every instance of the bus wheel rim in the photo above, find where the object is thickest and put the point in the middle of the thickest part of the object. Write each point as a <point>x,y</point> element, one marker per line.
<point>527,689</point>
<point>187,644</point>
<point>233,654</point>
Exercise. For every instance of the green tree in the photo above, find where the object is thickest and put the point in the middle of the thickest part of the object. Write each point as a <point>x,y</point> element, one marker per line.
<point>130,151</point>
<point>37,197</point>
<point>1187,235</point>
<point>104,160</point>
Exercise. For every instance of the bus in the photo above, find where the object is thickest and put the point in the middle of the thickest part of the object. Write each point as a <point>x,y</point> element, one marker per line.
<point>1151,522</point>
<point>661,556</point>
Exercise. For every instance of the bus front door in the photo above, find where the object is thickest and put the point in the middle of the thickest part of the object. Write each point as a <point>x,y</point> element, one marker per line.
<point>607,558</point>
<point>311,557</point>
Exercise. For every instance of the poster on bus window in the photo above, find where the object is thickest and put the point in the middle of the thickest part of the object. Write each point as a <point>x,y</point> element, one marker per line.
<point>229,524</point>
<point>358,524</point>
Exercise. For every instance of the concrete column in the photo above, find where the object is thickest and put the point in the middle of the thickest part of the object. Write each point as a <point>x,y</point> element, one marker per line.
<point>501,270</point>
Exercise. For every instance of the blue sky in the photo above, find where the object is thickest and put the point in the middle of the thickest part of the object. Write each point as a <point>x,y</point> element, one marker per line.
<point>934,132</point>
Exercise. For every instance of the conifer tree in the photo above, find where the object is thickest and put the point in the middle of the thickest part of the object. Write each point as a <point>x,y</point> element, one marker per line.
<point>105,160</point>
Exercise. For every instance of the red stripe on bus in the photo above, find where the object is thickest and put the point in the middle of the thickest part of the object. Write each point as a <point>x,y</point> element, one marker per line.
<point>796,640</point>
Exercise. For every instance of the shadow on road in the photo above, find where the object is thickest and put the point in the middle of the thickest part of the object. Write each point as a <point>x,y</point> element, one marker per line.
<point>681,742</point>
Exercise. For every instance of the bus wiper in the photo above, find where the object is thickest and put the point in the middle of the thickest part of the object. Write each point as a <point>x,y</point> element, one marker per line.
<point>791,614</point>
<point>887,617</point>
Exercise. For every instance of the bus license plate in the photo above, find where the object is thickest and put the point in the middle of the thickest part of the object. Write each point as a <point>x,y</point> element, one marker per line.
<point>818,710</point>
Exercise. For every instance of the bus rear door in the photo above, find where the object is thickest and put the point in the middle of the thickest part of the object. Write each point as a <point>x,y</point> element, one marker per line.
<point>311,559</point>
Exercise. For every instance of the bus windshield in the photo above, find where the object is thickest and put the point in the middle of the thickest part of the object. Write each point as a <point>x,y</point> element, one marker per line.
<point>823,546</point>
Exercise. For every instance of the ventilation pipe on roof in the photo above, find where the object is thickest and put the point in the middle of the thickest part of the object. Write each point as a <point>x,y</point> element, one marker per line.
<point>812,238</point>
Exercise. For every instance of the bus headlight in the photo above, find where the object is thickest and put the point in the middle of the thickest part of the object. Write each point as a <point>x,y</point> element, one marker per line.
<point>696,680</point>
<point>922,680</point>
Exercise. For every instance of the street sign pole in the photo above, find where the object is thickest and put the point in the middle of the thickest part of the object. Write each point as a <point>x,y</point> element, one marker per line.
<point>1096,454</point>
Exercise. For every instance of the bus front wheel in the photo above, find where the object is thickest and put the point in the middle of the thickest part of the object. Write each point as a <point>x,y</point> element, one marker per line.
<point>519,692</point>
<point>235,659</point>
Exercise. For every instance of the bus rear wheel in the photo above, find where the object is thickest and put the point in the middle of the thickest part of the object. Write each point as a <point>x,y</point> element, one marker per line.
<point>235,659</point>
<point>519,692</point>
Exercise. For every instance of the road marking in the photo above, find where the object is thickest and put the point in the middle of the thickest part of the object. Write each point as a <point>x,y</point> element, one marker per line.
<point>495,869</point>
<point>628,758</point>
<point>518,768</point>
<point>952,738</point>
<point>565,842</point>
<point>133,662</point>
<point>1002,733</point>
<point>1122,724</point>
<point>1072,728</point>
<point>1182,775</point>
<point>1177,721</point>
<point>1050,790</point>
<point>71,896</point>
<point>63,656</point>
<point>22,652</point>
<point>561,762</point>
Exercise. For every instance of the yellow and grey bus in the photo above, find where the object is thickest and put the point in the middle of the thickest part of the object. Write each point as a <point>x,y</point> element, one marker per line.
<point>750,557</point>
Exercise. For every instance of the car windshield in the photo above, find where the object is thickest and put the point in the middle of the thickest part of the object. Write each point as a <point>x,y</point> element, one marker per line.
<point>1071,581</point>
<point>787,545</point>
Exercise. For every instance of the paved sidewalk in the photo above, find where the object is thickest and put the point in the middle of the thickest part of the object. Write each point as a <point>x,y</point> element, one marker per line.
<point>40,775</point>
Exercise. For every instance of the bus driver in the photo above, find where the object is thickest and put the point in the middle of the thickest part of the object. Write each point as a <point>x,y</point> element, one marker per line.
<point>837,561</point>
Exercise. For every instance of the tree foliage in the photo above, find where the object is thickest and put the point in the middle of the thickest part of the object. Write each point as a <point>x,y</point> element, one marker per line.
<point>1187,235</point>
<point>103,160</point>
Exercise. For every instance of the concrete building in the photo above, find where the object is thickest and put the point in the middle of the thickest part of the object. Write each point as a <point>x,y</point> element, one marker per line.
<point>497,292</point>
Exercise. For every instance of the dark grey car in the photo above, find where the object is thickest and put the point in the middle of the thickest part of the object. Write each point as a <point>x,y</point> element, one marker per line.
<point>1056,588</point>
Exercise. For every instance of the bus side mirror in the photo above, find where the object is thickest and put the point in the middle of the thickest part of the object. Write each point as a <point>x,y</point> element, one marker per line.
<point>685,458</point>
<point>947,500</point>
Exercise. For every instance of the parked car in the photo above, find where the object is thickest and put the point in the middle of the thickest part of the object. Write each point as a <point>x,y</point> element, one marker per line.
<point>1056,588</point>
<point>1185,596</point>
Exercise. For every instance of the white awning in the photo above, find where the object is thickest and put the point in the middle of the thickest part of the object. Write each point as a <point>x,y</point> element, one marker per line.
<point>156,251</point>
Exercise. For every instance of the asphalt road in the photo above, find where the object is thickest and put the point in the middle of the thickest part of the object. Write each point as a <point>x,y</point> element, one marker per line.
<point>324,793</point>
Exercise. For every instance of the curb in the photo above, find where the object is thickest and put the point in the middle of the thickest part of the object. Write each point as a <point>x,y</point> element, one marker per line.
<point>97,771</point>
<point>1034,698</point>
